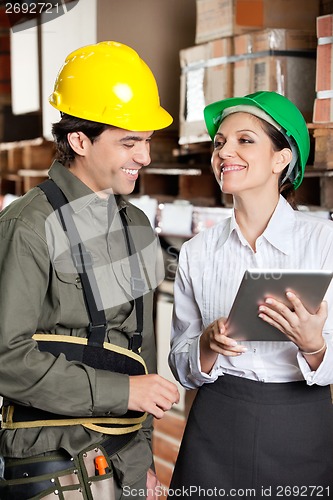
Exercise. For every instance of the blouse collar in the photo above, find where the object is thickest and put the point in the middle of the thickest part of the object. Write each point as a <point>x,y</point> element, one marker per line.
<point>278,231</point>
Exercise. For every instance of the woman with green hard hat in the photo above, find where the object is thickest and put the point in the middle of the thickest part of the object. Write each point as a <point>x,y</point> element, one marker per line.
<point>262,420</point>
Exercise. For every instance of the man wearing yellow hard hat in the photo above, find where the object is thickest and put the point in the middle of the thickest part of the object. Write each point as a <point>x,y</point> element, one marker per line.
<point>79,265</point>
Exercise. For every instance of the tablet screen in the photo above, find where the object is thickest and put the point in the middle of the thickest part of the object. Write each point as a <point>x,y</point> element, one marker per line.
<point>243,322</point>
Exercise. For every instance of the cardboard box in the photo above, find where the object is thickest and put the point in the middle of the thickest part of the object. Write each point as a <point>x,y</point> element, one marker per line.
<point>324,74</point>
<point>243,44</point>
<point>324,26</point>
<point>283,39</point>
<point>270,59</point>
<point>322,112</point>
<point>206,77</point>
<point>275,39</point>
<point>274,60</point>
<point>279,74</point>
<point>222,18</point>
<point>272,40</point>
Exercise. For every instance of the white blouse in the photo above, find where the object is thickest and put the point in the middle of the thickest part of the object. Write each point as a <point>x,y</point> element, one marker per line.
<point>211,266</point>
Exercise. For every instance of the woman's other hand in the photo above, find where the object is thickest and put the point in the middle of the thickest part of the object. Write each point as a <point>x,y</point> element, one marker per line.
<point>214,341</point>
<point>300,326</point>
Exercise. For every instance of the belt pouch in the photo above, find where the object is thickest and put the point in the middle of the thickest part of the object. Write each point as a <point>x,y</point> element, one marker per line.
<point>97,486</point>
<point>51,476</point>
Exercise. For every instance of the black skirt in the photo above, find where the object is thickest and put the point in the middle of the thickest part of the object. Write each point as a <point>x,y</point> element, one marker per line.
<point>252,439</point>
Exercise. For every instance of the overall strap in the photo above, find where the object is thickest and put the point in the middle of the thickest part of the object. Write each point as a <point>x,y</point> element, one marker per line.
<point>83,262</point>
<point>137,287</point>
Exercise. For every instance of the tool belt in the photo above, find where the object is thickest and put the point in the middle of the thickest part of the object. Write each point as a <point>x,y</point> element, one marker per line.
<point>89,475</point>
<point>109,357</point>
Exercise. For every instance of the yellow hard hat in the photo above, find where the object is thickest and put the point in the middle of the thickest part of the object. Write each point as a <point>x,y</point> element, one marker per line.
<point>109,83</point>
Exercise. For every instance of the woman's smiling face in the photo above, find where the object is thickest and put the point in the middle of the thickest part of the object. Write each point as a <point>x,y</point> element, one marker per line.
<point>243,156</point>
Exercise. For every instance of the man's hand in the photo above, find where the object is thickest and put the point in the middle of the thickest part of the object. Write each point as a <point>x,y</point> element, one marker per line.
<point>152,393</point>
<point>152,484</point>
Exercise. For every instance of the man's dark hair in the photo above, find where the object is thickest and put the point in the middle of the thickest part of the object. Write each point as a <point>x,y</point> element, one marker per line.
<point>64,152</point>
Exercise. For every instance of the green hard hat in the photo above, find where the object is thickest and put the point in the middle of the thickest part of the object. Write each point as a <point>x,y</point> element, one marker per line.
<point>278,107</point>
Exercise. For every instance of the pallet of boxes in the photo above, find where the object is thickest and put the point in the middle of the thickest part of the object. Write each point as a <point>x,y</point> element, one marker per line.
<point>323,109</point>
<point>242,47</point>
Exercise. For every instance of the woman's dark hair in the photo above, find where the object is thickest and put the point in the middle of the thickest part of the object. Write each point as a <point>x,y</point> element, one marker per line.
<point>280,142</point>
<point>64,152</point>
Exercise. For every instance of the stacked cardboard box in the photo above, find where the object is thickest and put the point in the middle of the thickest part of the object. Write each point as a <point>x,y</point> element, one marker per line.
<point>220,18</point>
<point>206,77</point>
<point>270,59</point>
<point>243,46</point>
<point>323,106</point>
<point>280,60</point>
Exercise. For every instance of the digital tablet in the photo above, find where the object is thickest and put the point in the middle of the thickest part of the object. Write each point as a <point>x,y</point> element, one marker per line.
<point>243,322</point>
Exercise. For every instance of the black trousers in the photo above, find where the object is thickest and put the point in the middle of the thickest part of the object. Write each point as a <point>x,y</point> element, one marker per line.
<point>252,439</point>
